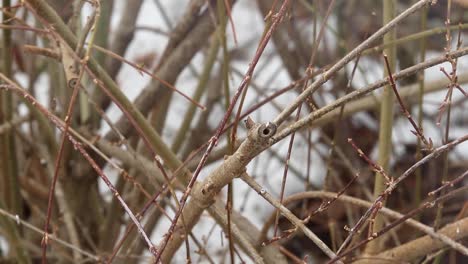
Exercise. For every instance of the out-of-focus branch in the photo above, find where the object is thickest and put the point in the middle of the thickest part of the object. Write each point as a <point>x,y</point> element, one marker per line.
<point>385,125</point>
<point>179,33</point>
<point>52,237</point>
<point>123,35</point>
<point>155,93</point>
<point>14,122</point>
<point>422,246</point>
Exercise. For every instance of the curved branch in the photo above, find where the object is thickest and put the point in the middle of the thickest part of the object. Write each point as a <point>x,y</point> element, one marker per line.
<point>422,246</point>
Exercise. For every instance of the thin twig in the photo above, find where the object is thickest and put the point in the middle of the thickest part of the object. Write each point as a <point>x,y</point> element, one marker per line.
<point>375,167</point>
<point>350,56</point>
<point>52,237</point>
<point>394,184</point>
<point>12,86</point>
<point>308,120</point>
<point>214,140</point>
<point>288,214</point>
<point>417,130</point>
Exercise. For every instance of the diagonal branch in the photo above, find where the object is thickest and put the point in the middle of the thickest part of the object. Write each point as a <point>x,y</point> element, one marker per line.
<point>342,62</point>
<point>203,194</point>
<point>309,119</point>
<point>425,245</point>
<point>288,214</point>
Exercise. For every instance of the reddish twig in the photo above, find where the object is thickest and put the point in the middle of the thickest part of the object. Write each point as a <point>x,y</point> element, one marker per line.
<point>214,139</point>
<point>163,191</point>
<point>401,220</point>
<point>417,130</point>
<point>326,204</point>
<point>286,234</point>
<point>435,153</point>
<point>139,215</point>
<point>233,27</point>
<point>141,70</point>
<point>449,184</point>
<point>298,113</point>
<point>74,84</point>
<point>79,147</point>
<point>375,167</point>
<point>371,220</point>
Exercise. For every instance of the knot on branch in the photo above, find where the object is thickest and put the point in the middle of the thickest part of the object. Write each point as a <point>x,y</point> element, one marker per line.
<point>260,133</point>
<point>266,130</point>
<point>233,166</point>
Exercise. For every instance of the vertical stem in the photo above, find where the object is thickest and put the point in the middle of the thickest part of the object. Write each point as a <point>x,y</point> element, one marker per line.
<point>422,48</point>
<point>10,169</point>
<point>386,122</point>
<point>102,39</point>
<point>10,183</point>
<point>222,36</point>
<point>448,101</point>
<point>181,135</point>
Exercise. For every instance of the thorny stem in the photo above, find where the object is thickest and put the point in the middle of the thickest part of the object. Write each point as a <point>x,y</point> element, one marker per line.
<point>285,235</point>
<point>325,205</point>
